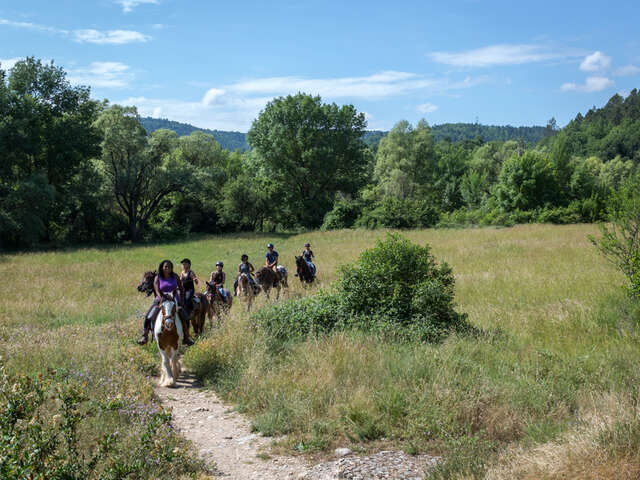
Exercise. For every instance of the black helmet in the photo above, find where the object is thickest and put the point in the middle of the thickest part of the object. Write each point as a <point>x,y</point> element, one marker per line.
<point>269,245</point>
<point>307,244</point>
<point>185,260</point>
<point>220,264</point>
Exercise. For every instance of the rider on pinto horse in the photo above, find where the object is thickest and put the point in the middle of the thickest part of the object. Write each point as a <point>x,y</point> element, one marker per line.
<point>247,268</point>
<point>218,278</point>
<point>166,282</point>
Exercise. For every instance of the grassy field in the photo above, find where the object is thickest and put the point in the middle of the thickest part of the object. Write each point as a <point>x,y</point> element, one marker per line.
<point>548,390</point>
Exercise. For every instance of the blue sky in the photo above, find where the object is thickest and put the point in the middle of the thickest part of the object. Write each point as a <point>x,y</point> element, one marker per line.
<point>216,64</point>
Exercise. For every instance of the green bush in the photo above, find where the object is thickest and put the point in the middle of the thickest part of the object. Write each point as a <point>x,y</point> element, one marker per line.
<point>399,213</point>
<point>396,288</point>
<point>343,215</point>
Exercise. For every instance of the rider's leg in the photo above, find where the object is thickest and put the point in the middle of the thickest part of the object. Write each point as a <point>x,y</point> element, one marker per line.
<point>149,318</point>
<point>188,300</point>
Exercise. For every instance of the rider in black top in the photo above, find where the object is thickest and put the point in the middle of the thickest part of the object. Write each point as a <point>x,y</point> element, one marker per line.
<point>189,282</point>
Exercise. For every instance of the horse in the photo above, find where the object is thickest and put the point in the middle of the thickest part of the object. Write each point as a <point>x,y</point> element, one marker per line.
<point>305,274</point>
<point>168,333</point>
<point>217,305</point>
<point>146,284</point>
<point>244,290</point>
<point>199,312</point>
<point>267,278</point>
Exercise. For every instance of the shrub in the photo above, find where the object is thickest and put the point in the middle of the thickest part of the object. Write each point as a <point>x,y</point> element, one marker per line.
<point>343,215</point>
<point>620,241</point>
<point>396,288</point>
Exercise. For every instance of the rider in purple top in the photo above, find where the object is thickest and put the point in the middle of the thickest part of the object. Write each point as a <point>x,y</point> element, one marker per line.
<point>166,281</point>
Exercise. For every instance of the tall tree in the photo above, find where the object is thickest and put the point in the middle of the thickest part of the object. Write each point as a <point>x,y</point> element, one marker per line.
<point>141,171</point>
<point>313,149</point>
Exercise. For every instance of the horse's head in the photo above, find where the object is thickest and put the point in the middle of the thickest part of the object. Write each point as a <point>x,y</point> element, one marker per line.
<point>243,281</point>
<point>146,284</point>
<point>300,262</point>
<point>210,292</point>
<point>168,308</point>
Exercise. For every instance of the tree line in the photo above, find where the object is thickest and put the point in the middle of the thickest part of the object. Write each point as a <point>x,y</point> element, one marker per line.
<point>76,170</point>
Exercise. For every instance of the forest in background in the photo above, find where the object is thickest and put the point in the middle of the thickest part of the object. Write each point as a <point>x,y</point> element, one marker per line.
<point>452,132</point>
<point>75,170</point>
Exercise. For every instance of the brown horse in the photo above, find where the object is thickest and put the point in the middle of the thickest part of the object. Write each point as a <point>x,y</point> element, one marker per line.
<point>199,312</point>
<point>217,306</point>
<point>266,278</point>
<point>244,290</point>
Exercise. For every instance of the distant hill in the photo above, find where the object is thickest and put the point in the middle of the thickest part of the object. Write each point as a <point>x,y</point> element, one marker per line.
<point>227,140</point>
<point>455,132</point>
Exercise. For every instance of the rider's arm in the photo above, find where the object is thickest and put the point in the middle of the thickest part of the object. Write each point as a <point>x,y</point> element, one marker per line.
<point>180,287</point>
<point>224,278</point>
<point>251,268</point>
<point>156,286</point>
<point>193,276</point>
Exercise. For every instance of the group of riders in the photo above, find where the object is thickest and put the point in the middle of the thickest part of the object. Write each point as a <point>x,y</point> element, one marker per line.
<point>182,286</point>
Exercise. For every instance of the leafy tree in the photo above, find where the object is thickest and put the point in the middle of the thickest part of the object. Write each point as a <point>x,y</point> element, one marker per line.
<point>141,171</point>
<point>313,150</point>
<point>46,135</point>
<point>526,182</point>
<point>405,161</point>
<point>620,240</point>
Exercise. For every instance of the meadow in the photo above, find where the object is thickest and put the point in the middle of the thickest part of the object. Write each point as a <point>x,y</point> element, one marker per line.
<point>548,388</point>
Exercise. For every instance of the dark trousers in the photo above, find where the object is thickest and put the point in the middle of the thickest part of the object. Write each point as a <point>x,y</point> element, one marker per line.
<point>154,309</point>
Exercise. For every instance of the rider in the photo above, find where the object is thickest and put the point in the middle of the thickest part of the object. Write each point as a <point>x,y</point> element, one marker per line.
<point>167,281</point>
<point>189,281</point>
<point>308,255</point>
<point>272,261</point>
<point>247,268</point>
<point>217,279</point>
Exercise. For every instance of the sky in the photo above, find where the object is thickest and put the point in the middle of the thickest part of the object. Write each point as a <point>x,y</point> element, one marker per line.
<point>217,64</point>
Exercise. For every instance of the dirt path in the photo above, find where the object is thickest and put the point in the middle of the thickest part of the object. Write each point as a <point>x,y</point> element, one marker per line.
<point>223,437</point>
<point>224,440</point>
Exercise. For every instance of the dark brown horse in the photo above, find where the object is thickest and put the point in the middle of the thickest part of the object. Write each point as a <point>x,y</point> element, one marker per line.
<point>146,284</point>
<point>303,270</point>
<point>266,278</point>
<point>199,312</point>
<point>217,306</point>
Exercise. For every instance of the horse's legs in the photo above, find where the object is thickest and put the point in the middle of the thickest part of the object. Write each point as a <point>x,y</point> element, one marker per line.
<point>278,290</point>
<point>166,379</point>
<point>175,365</point>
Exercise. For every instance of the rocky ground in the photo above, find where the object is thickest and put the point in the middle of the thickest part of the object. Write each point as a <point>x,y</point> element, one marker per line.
<point>224,440</point>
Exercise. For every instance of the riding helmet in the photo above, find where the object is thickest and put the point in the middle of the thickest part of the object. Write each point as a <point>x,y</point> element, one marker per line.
<point>269,245</point>
<point>220,264</point>
<point>185,260</point>
<point>307,244</point>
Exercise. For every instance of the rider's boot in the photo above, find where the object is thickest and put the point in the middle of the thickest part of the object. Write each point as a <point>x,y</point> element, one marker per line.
<point>144,338</point>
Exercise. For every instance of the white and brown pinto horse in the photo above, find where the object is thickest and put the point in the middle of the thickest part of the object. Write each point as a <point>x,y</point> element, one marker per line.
<point>168,334</point>
<point>244,290</point>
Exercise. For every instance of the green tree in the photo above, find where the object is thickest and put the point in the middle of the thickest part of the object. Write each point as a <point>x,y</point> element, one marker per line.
<point>141,171</point>
<point>527,182</point>
<point>47,138</point>
<point>312,149</point>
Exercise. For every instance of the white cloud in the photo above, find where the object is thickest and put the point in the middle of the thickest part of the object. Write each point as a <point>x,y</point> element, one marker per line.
<point>383,84</point>
<point>157,112</point>
<point>234,106</point>
<point>425,108</point>
<point>592,84</point>
<point>8,63</point>
<point>116,37</point>
<point>32,26</point>
<point>595,62</point>
<point>211,96</point>
<point>502,54</point>
<point>627,70</point>
<point>102,74</point>
<point>129,5</point>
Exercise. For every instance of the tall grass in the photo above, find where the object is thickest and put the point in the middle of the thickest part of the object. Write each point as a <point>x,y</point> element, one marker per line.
<point>557,328</point>
<point>560,349</point>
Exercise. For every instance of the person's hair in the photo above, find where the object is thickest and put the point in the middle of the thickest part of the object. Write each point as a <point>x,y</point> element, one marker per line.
<point>244,255</point>
<point>160,272</point>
